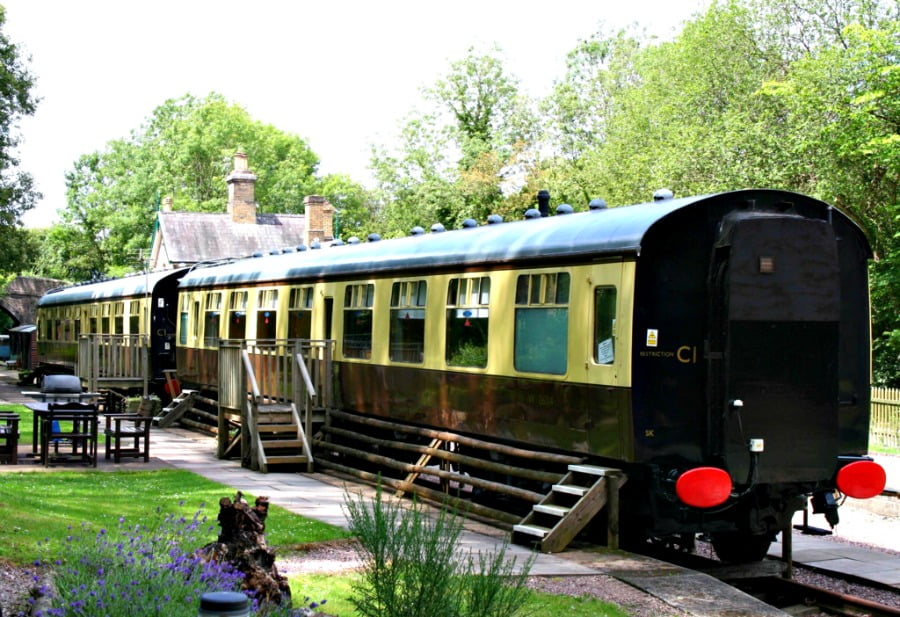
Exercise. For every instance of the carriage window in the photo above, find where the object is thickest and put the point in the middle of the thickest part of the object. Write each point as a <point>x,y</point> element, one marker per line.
<point>183,328</point>
<point>267,314</point>
<point>119,318</point>
<point>408,321</point>
<point>237,315</point>
<point>134,317</point>
<point>604,325</point>
<point>104,319</point>
<point>212,319</point>
<point>467,321</point>
<point>542,323</point>
<point>300,313</point>
<point>358,301</point>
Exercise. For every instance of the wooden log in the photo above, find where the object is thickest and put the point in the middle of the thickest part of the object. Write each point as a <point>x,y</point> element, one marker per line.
<point>462,459</point>
<point>536,455</point>
<point>242,543</point>
<point>206,428</point>
<point>525,495</point>
<point>464,506</point>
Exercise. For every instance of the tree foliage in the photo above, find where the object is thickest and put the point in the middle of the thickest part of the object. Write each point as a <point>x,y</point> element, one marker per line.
<point>184,150</point>
<point>794,94</point>
<point>17,193</point>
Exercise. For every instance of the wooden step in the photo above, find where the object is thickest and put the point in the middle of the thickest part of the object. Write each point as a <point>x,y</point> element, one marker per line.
<point>276,428</point>
<point>274,408</point>
<point>281,444</point>
<point>570,489</point>
<point>594,470</point>
<point>286,460</point>
<point>553,510</point>
<point>532,530</point>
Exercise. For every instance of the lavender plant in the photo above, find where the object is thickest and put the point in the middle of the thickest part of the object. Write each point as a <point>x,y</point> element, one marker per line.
<point>134,570</point>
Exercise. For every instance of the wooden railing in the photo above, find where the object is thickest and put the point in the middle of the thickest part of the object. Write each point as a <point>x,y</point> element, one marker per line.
<point>884,429</point>
<point>113,359</point>
<point>267,372</point>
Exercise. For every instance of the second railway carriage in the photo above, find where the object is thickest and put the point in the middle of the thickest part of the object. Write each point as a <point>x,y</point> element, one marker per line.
<point>141,307</point>
<point>715,347</point>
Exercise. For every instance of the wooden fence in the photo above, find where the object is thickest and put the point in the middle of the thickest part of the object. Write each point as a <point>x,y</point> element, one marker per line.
<point>884,430</point>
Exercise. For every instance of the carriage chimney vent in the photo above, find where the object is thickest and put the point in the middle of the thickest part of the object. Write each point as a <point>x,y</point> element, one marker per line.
<point>544,202</point>
<point>662,195</point>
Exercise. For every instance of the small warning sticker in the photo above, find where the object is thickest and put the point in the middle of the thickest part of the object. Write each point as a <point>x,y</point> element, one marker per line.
<point>652,338</point>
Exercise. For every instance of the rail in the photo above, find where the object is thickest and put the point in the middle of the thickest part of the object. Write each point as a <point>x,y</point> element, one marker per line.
<point>114,359</point>
<point>292,373</point>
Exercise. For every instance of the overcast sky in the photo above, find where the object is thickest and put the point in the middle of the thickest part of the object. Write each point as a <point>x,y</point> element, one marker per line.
<point>341,74</point>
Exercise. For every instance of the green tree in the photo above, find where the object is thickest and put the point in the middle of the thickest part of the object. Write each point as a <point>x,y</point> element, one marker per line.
<point>183,150</point>
<point>470,155</point>
<point>17,194</point>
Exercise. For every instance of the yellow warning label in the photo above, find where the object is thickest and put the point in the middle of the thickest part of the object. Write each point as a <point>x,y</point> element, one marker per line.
<point>652,338</point>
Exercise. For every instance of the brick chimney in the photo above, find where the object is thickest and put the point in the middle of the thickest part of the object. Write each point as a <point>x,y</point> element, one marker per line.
<point>319,219</point>
<point>241,199</point>
<point>167,204</point>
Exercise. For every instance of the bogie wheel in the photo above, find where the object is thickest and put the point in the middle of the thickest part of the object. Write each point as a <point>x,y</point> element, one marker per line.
<point>736,547</point>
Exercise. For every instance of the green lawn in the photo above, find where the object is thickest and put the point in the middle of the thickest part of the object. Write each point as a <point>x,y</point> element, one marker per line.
<point>44,508</point>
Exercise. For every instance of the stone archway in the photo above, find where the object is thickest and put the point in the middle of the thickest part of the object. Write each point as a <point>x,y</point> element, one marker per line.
<point>22,294</point>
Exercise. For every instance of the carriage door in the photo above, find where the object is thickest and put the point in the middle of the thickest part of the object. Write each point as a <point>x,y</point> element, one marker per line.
<point>778,320</point>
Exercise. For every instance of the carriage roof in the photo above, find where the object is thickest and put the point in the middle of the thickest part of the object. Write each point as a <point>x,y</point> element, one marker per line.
<point>602,233</point>
<point>113,289</point>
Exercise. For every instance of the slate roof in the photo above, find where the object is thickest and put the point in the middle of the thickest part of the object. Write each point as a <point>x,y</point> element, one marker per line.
<point>192,237</point>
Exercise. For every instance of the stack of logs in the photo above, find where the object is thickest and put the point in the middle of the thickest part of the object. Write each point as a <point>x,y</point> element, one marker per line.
<point>242,543</point>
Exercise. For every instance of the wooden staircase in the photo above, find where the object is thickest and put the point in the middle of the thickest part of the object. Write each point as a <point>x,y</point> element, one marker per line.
<point>172,412</point>
<point>569,507</point>
<point>280,438</point>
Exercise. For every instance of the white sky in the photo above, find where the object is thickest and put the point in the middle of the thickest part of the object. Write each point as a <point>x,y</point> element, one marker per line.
<point>342,74</point>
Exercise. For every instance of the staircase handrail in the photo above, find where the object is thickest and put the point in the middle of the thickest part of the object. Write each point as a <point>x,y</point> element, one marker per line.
<point>251,375</point>
<point>304,372</point>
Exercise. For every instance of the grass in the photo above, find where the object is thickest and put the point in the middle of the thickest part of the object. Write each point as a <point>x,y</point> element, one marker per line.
<point>45,507</point>
<point>338,587</point>
<point>41,511</point>
<point>26,420</point>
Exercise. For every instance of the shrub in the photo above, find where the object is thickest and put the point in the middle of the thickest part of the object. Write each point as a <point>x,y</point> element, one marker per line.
<point>411,566</point>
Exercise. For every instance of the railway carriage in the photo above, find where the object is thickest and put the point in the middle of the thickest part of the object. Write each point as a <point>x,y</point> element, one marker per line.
<point>140,307</point>
<point>716,348</point>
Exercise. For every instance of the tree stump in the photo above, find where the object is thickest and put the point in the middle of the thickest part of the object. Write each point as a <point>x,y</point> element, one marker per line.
<point>242,543</point>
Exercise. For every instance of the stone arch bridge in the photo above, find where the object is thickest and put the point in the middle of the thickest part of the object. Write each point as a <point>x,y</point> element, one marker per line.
<point>21,296</point>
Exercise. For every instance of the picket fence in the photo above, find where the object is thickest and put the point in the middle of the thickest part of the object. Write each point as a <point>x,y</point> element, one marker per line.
<point>884,430</point>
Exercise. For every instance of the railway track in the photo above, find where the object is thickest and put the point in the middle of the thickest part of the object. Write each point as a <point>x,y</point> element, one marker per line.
<point>796,598</point>
<point>827,596</point>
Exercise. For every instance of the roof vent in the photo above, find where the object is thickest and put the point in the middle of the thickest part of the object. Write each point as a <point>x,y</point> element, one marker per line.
<point>287,250</point>
<point>543,197</point>
<point>564,209</point>
<point>337,242</point>
<point>275,252</point>
<point>495,219</point>
<point>437,228</point>
<point>597,204</point>
<point>373,237</point>
<point>416,231</point>
<point>352,240</point>
<point>662,195</point>
<point>532,213</point>
<point>469,223</point>
<point>301,248</point>
<point>257,254</point>
<point>315,244</point>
